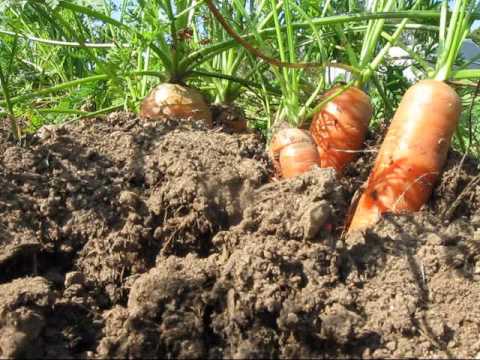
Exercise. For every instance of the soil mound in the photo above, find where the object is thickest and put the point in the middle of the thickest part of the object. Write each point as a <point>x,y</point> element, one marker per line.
<point>129,238</point>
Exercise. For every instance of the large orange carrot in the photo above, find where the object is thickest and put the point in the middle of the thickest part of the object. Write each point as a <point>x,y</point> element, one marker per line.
<point>293,152</point>
<point>175,101</point>
<point>339,128</point>
<point>412,154</point>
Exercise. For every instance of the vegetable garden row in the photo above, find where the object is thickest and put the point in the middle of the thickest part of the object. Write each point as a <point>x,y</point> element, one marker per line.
<point>210,178</point>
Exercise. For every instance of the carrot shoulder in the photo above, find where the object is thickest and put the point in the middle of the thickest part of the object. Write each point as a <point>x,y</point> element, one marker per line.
<point>293,152</point>
<point>412,155</point>
<point>339,128</point>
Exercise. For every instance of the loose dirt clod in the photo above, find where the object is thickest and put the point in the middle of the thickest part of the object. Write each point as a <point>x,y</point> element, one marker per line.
<point>23,306</point>
<point>130,238</point>
<point>166,315</point>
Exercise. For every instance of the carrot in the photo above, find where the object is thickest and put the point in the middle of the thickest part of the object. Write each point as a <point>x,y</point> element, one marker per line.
<point>293,152</point>
<point>412,155</point>
<point>175,101</point>
<point>416,145</point>
<point>339,128</point>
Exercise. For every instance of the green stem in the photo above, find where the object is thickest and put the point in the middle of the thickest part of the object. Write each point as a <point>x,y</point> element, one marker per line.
<point>176,47</point>
<point>329,98</point>
<point>310,100</point>
<point>73,83</point>
<point>244,82</point>
<point>443,25</point>
<point>16,131</point>
<point>102,111</point>
<point>108,20</point>
<point>381,55</point>
<point>61,111</point>
<point>62,43</point>
<point>371,39</point>
<point>210,51</point>
<point>457,31</point>
<point>13,121</point>
<point>371,68</point>
<point>465,74</point>
<point>383,95</point>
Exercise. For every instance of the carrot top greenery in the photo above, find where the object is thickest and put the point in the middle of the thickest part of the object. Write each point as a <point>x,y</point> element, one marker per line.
<point>274,59</point>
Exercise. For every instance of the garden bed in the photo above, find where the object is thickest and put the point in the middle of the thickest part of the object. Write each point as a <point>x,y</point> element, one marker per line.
<point>128,238</point>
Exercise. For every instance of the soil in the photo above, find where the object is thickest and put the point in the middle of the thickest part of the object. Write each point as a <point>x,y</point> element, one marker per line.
<point>127,238</point>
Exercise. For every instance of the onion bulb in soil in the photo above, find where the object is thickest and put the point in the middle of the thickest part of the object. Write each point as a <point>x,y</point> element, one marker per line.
<point>175,101</point>
<point>293,152</point>
<point>339,128</point>
<point>412,155</point>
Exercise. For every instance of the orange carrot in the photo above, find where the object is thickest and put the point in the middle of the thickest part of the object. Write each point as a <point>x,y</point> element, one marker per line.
<point>175,101</point>
<point>339,128</point>
<point>293,152</point>
<point>412,155</point>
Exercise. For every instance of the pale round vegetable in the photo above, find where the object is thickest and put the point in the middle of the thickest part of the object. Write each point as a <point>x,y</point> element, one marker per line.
<point>175,101</point>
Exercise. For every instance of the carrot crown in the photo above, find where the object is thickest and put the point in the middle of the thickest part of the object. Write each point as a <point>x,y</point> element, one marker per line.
<point>367,62</point>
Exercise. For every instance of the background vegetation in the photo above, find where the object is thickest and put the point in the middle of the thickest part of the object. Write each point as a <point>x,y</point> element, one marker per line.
<point>63,60</point>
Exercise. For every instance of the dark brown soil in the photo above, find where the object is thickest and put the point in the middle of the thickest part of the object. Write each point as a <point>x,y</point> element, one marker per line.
<point>125,238</point>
